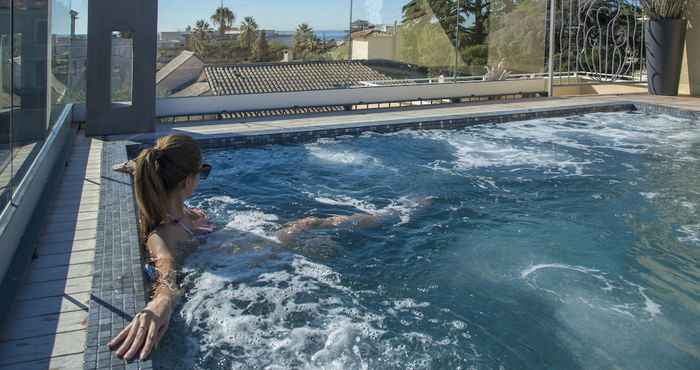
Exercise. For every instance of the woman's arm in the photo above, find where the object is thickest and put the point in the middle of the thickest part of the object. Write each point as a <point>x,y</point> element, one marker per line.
<point>148,326</point>
<point>357,220</point>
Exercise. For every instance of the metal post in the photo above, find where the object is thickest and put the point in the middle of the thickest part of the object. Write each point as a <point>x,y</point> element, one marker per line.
<point>350,33</point>
<point>552,24</point>
<point>457,45</point>
<point>11,132</point>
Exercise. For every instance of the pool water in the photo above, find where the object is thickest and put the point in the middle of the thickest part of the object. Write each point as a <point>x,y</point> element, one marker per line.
<point>548,244</point>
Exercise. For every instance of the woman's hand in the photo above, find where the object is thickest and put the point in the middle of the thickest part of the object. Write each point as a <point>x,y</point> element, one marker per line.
<point>144,332</point>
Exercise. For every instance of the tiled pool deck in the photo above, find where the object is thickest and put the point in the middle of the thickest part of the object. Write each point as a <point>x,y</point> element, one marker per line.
<point>46,327</point>
<point>108,220</point>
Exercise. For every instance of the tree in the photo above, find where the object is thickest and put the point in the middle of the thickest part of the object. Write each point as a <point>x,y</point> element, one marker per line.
<point>199,38</point>
<point>249,30</point>
<point>454,20</point>
<point>223,18</point>
<point>261,52</point>
<point>305,41</point>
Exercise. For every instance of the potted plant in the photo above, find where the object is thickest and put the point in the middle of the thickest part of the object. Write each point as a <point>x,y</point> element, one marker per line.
<point>665,42</point>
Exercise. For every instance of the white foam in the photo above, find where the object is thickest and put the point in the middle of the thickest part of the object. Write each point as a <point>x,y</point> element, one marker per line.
<point>403,207</point>
<point>649,196</point>
<point>406,303</point>
<point>651,307</point>
<point>343,200</point>
<point>347,157</point>
<point>532,269</point>
<point>691,232</point>
<point>556,144</point>
<point>255,222</point>
<point>606,302</point>
<point>226,200</point>
<point>264,322</point>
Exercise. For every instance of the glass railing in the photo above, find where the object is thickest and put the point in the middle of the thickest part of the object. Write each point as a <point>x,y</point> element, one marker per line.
<point>217,48</point>
<point>36,67</point>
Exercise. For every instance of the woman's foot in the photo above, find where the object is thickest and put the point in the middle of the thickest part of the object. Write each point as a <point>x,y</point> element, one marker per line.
<point>125,167</point>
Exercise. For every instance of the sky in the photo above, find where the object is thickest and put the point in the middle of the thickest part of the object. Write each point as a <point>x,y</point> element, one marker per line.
<point>281,15</point>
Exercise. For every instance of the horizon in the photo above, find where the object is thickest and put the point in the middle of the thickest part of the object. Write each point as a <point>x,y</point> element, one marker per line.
<point>278,15</point>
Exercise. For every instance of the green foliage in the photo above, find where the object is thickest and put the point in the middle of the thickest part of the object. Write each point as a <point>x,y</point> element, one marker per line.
<point>453,16</point>
<point>305,43</point>
<point>424,43</point>
<point>249,30</point>
<point>673,9</point>
<point>223,18</point>
<point>518,36</point>
<point>261,51</point>
<point>200,37</point>
<point>340,52</point>
<point>475,55</point>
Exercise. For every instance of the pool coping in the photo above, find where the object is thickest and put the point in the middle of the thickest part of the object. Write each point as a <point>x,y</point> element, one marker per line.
<point>119,287</point>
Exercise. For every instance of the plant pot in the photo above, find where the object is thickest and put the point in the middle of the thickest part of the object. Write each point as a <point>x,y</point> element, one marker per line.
<point>665,41</point>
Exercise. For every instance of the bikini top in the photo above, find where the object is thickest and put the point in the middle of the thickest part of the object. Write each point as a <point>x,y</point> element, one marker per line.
<point>197,235</point>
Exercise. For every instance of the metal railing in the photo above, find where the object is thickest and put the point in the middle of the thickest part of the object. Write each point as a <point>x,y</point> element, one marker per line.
<point>596,41</point>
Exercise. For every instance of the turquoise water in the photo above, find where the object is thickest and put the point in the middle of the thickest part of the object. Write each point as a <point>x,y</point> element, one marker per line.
<point>568,243</point>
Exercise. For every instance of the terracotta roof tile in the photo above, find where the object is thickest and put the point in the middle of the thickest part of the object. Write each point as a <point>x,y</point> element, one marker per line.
<point>288,77</point>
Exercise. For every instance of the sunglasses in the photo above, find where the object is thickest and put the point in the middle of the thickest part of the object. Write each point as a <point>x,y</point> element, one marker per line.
<point>204,171</point>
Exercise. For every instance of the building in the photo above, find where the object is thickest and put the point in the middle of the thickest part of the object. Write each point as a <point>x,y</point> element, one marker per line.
<point>360,25</point>
<point>374,44</point>
<point>179,73</point>
<point>173,36</point>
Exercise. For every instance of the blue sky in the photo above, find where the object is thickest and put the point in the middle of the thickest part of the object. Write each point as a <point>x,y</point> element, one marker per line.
<point>269,14</point>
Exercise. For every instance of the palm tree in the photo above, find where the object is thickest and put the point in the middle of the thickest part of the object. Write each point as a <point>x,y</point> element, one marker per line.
<point>199,38</point>
<point>249,30</point>
<point>261,51</point>
<point>223,18</point>
<point>305,41</point>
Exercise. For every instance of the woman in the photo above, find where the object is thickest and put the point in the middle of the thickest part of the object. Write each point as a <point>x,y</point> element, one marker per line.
<point>164,176</point>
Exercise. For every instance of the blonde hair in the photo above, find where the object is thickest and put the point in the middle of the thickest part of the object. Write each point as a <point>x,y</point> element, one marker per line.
<point>160,170</point>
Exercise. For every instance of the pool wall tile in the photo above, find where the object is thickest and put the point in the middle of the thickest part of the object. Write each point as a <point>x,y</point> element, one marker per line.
<point>117,280</point>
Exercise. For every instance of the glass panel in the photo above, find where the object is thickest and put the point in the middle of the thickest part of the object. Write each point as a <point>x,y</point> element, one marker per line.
<point>30,76</point>
<point>229,48</point>
<point>77,78</point>
<point>60,57</point>
<point>122,66</point>
<point>434,40</point>
<point>405,40</point>
<point>516,38</point>
<point>5,101</point>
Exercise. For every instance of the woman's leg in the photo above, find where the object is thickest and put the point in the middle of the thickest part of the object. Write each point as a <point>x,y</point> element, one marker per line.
<point>357,220</point>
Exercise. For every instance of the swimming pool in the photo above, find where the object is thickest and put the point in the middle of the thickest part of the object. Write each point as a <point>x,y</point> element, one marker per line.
<point>554,243</point>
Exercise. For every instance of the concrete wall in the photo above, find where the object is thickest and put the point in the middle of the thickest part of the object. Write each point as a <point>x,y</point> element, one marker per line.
<point>690,76</point>
<point>139,17</point>
<point>360,49</point>
<point>381,48</point>
<point>166,107</point>
<point>29,207</point>
<point>377,47</point>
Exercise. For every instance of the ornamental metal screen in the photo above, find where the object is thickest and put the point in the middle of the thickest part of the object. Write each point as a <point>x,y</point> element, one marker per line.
<point>597,41</point>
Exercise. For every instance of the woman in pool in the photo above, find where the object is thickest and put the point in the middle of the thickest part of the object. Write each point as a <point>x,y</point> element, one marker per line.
<point>164,176</point>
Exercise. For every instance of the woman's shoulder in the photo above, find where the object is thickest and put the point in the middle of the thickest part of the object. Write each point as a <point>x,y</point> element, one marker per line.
<point>169,233</point>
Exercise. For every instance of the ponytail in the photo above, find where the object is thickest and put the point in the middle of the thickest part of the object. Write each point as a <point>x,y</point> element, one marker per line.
<point>150,192</point>
<point>159,171</point>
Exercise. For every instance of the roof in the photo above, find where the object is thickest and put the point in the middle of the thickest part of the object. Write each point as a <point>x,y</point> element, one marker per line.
<point>287,77</point>
<point>173,65</point>
<point>196,89</point>
<point>367,33</point>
